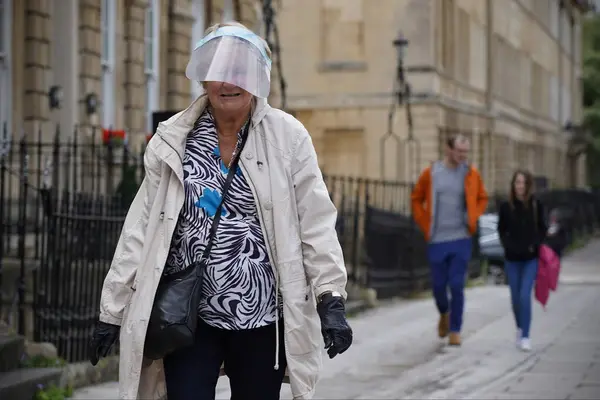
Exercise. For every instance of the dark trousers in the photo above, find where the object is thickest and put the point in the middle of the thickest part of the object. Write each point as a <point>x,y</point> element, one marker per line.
<point>249,358</point>
<point>449,262</point>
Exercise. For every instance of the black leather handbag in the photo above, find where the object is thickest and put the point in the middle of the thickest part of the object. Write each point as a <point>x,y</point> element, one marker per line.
<point>174,315</point>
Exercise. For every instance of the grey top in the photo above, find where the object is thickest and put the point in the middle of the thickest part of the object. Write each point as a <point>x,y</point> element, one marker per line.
<point>449,220</point>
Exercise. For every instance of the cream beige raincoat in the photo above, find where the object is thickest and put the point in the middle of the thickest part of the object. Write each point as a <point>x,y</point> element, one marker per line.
<point>297,218</point>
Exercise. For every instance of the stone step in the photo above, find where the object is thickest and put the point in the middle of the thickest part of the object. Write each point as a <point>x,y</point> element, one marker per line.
<point>25,382</point>
<point>11,350</point>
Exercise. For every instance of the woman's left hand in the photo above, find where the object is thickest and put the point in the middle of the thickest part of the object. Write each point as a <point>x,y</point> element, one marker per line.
<point>337,334</point>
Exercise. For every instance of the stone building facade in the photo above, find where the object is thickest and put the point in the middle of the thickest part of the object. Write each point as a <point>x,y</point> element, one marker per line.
<point>505,73</point>
<point>115,61</point>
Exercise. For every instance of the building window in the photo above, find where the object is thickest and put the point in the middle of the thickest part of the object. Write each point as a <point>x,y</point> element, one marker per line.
<point>151,34</point>
<point>5,65</point>
<point>464,50</point>
<point>342,38</point>
<point>199,12</point>
<point>448,36</point>
<point>108,32</point>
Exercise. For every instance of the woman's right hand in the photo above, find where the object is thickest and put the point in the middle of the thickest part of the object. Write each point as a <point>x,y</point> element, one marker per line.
<point>103,338</point>
<point>552,229</point>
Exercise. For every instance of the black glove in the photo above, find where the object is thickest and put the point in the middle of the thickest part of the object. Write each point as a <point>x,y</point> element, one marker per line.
<point>103,338</point>
<point>337,334</point>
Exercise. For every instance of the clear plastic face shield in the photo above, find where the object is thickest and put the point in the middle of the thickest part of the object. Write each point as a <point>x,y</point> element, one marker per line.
<point>232,55</point>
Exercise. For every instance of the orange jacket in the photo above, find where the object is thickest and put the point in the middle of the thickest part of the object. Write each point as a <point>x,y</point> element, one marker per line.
<point>476,199</point>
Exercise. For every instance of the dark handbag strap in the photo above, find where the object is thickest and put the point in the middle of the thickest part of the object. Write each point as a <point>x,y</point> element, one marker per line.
<point>225,191</point>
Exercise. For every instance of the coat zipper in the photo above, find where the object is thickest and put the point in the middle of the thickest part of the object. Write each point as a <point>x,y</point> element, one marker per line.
<point>269,245</point>
<point>270,251</point>
<point>170,225</point>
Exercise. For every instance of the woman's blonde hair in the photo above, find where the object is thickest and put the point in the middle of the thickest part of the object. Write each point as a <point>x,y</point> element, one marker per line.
<point>214,27</point>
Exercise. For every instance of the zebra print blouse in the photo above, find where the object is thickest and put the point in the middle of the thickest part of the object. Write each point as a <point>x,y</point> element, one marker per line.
<point>239,285</point>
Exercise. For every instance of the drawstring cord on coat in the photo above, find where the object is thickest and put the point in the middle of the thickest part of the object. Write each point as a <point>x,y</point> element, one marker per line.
<point>276,366</point>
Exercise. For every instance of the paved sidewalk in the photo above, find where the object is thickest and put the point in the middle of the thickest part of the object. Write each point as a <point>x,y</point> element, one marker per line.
<point>397,355</point>
<point>568,368</point>
<point>583,265</point>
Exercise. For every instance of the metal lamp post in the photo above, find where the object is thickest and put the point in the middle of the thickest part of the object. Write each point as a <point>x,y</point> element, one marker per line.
<point>402,94</point>
<point>271,28</point>
<point>403,87</point>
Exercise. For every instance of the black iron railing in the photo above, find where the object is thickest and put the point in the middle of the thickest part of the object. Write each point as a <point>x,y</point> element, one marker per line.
<point>62,206</point>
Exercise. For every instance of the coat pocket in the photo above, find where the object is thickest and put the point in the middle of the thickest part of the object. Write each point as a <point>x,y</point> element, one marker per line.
<point>302,324</point>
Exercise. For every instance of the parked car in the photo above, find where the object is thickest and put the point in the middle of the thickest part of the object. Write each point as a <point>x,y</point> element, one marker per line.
<point>490,247</point>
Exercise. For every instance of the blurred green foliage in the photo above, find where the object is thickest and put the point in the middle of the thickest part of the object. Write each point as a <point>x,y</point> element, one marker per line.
<point>591,93</point>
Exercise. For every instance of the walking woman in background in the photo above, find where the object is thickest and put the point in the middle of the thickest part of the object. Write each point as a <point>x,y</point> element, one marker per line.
<point>522,229</point>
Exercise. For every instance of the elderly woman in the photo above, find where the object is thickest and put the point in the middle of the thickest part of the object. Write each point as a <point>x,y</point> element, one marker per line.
<point>274,284</point>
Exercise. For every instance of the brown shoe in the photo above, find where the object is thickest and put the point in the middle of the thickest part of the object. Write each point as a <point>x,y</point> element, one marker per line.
<point>454,339</point>
<point>444,325</point>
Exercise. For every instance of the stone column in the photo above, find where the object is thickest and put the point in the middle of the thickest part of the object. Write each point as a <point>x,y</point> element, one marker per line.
<point>37,66</point>
<point>178,50</point>
<point>134,78</point>
<point>90,69</point>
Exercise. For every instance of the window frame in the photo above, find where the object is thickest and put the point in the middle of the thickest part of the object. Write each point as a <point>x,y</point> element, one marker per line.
<point>107,59</point>
<point>6,68</point>
<point>151,72</point>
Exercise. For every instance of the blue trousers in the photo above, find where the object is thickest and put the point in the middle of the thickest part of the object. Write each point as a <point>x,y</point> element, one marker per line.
<point>449,263</point>
<point>521,277</point>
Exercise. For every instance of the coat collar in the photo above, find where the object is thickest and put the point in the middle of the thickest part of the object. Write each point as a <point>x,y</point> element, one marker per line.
<point>173,132</point>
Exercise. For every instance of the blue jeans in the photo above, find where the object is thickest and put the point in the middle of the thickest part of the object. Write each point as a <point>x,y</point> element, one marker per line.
<point>521,277</point>
<point>449,262</point>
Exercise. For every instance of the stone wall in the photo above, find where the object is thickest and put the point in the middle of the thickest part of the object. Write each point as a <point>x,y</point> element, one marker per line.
<point>348,65</point>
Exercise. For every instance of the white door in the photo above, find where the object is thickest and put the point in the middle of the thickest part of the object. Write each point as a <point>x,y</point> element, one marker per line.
<point>5,66</point>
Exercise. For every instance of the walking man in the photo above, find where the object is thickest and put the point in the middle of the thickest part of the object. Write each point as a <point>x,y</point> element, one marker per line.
<point>447,201</point>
